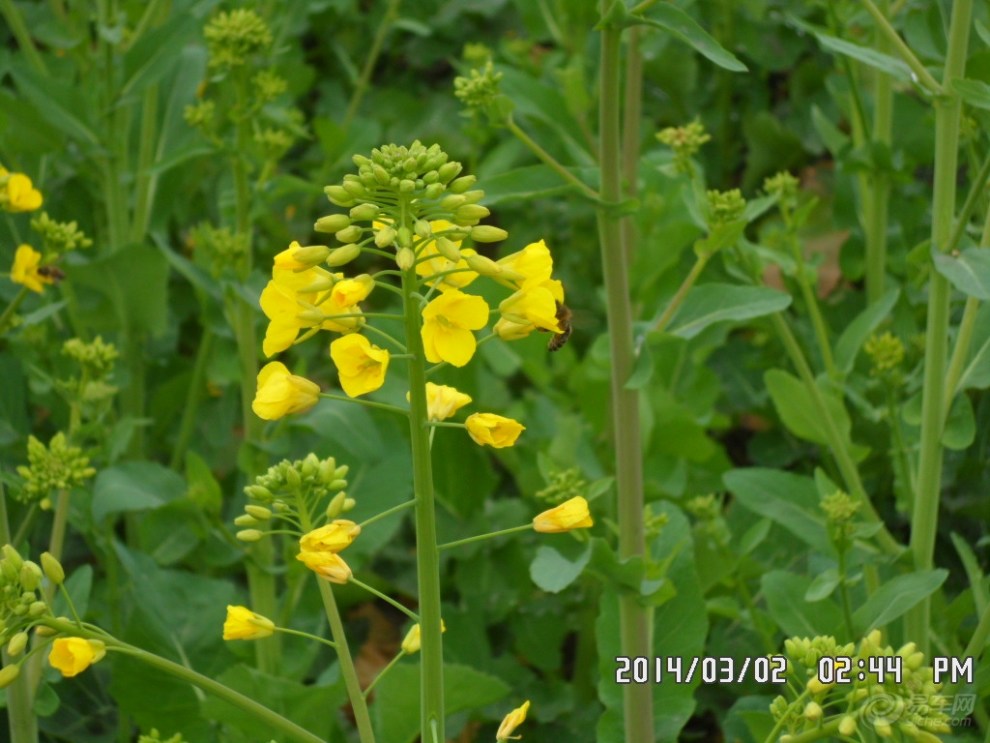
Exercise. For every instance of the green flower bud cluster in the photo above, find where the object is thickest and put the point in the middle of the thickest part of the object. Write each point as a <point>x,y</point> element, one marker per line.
<point>201,116</point>
<point>886,354</point>
<point>218,248</point>
<point>56,467</point>
<point>233,37</point>
<point>96,357</point>
<point>58,238</point>
<point>707,509</point>
<point>476,54</point>
<point>269,85</point>
<point>685,141</point>
<point>725,206</point>
<point>155,737</point>
<point>913,708</point>
<point>274,494</point>
<point>481,91</point>
<point>840,509</point>
<point>20,604</point>
<point>783,185</point>
<point>273,143</point>
<point>562,485</point>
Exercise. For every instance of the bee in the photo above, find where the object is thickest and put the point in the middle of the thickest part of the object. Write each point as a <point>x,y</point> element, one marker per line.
<point>558,340</point>
<point>51,272</point>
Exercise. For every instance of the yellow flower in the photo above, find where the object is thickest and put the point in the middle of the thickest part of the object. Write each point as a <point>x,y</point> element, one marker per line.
<point>18,194</point>
<point>244,624</point>
<point>360,365</point>
<point>493,430</point>
<point>571,514</point>
<point>447,324</point>
<point>511,721</point>
<point>332,537</point>
<point>411,643</point>
<point>349,292</point>
<point>532,307</point>
<point>27,261</point>
<point>443,401</point>
<point>432,263</point>
<point>280,393</point>
<point>327,565</point>
<point>286,260</point>
<point>73,655</point>
<point>533,263</point>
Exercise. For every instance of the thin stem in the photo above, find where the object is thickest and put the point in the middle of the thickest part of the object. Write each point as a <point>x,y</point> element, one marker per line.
<point>482,537</point>
<point>675,303</point>
<point>367,403</point>
<point>4,519</point>
<point>193,397</point>
<point>381,674</point>
<point>20,30</point>
<point>9,310</point>
<point>361,87</point>
<point>388,512</point>
<point>144,186</point>
<point>307,635</point>
<point>428,557</point>
<point>875,222</point>
<point>844,593</point>
<point>635,621</point>
<point>924,77</point>
<point>387,599</point>
<point>814,311</point>
<point>924,518</point>
<point>551,161</point>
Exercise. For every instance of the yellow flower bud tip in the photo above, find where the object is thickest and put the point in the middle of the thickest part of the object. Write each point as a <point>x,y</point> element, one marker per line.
<point>281,393</point>
<point>327,565</point>
<point>17,644</point>
<point>569,515</point>
<point>847,726</point>
<point>52,568</point>
<point>488,429</point>
<point>73,655</point>
<point>511,721</point>
<point>412,641</point>
<point>405,259</point>
<point>815,686</point>
<point>249,535</point>
<point>8,674</point>
<point>812,711</point>
<point>332,537</point>
<point>244,624</point>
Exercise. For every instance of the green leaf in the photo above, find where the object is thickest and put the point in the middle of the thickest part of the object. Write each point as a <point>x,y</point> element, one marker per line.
<point>857,332</point>
<point>822,586</point>
<point>554,568</point>
<point>785,592</point>
<point>973,572</point>
<point>895,597</point>
<point>784,498</point>
<point>973,92</point>
<point>976,375</point>
<point>530,182</point>
<point>396,710</point>
<point>969,271</point>
<point>134,486</point>
<point>61,103</point>
<point>153,56</point>
<point>680,25</point>
<point>870,57</point>
<point>204,490</point>
<point>960,428</point>
<point>832,137</point>
<point>708,304</point>
<point>642,369</point>
<point>797,410</point>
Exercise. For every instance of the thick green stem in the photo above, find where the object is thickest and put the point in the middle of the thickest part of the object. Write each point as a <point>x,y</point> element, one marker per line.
<point>924,77</point>
<point>924,519</point>
<point>193,395</point>
<point>428,556</point>
<point>632,110</point>
<point>634,620</point>
<point>20,715</point>
<point>875,217</point>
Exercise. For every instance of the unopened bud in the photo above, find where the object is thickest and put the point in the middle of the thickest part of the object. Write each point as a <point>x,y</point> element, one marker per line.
<point>259,512</point>
<point>447,171</point>
<point>53,568</point>
<point>481,264</point>
<point>448,249</point>
<point>364,212</point>
<point>451,202</point>
<point>349,504</point>
<point>381,175</point>
<point>405,259</point>
<point>292,478</point>
<point>332,223</point>
<point>310,462</point>
<point>486,233</point>
<point>354,188</point>
<point>473,197</point>
<point>37,609</point>
<point>258,492</point>
<point>338,195</point>
<point>249,535</point>
<point>30,576</point>
<point>422,228</point>
<point>245,520</point>
<point>385,236</point>
<point>470,213</point>
<point>813,711</point>
<point>311,255</point>
<point>349,234</point>
<point>407,185</point>
<point>337,485</point>
<point>462,184</point>
<point>17,644</point>
<point>13,557</point>
<point>433,191</point>
<point>342,255</point>
<point>8,674</point>
<point>341,472</point>
<point>847,726</point>
<point>336,505</point>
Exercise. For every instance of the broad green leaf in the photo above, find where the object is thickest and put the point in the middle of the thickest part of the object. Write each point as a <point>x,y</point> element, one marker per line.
<point>785,594</point>
<point>396,709</point>
<point>832,137</point>
<point>154,54</point>
<point>860,329</point>
<point>556,567</point>
<point>530,182</point>
<point>204,490</point>
<point>642,369</point>
<point>797,410</point>
<point>79,586</point>
<point>679,24</point>
<point>822,586</point>
<point>708,304</point>
<point>895,597</point>
<point>786,499</point>
<point>134,486</point>
<point>973,92</point>
<point>969,272</point>
<point>976,375</point>
<point>960,428</point>
<point>62,103</point>
<point>868,56</point>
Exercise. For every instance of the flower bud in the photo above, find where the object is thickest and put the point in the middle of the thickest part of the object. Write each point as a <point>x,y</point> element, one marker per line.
<point>404,236</point>
<point>364,212</point>
<point>259,492</point>
<point>405,259</point>
<point>245,520</point>
<point>292,478</point>
<point>332,223</point>
<point>336,505</point>
<point>8,674</point>
<point>337,485</point>
<point>422,228</point>
<point>259,512</point>
<point>37,609</point>
<point>448,171</point>
<point>473,197</point>
<point>462,184</point>
<point>53,568</point>
<point>249,535</point>
<point>381,175</point>
<point>349,504</point>
<point>17,644</point>
<point>847,726</point>
<point>349,234</point>
<point>341,472</point>
<point>470,213</point>
<point>385,236</point>
<point>481,264</point>
<point>433,191</point>
<point>338,195</point>
<point>354,188</point>
<point>30,576</point>
<point>343,254</point>
<point>407,185</point>
<point>812,711</point>
<point>486,233</point>
<point>12,556</point>
<point>311,255</point>
<point>448,249</point>
<point>451,202</point>
<point>882,728</point>
<point>915,661</point>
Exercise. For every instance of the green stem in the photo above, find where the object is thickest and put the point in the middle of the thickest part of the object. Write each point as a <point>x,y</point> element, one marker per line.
<point>875,222</point>
<point>193,396</point>
<point>488,535</point>
<point>924,518</point>
<point>924,77</point>
<point>4,519</point>
<point>428,556</point>
<point>381,674</point>
<point>635,621</point>
<point>366,403</point>
<point>248,705</point>
<point>900,447</point>
<point>668,314</point>
<point>22,721</point>
<point>836,442</point>
<point>306,635</point>
<point>387,599</point>
<point>844,594</point>
<point>814,311</point>
<point>20,30</point>
<point>551,161</point>
<point>144,186</point>
<point>11,308</point>
<point>361,87</point>
<point>388,512</point>
<point>57,541</point>
<point>632,111</point>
